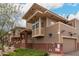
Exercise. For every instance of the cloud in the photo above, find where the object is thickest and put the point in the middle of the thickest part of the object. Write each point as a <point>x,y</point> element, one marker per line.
<point>71,16</point>
<point>26,7</point>
<point>51,5</point>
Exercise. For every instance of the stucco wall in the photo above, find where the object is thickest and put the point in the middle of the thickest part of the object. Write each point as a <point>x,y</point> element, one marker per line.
<point>66,30</point>
<point>47,39</point>
<point>77,29</point>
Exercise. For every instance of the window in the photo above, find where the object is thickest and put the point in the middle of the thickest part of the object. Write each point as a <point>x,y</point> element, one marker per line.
<point>42,24</point>
<point>33,27</point>
<point>37,25</point>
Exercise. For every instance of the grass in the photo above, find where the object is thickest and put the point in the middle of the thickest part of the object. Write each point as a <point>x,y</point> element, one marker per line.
<point>27,52</point>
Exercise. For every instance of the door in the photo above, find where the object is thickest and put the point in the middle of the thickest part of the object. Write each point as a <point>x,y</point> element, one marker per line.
<point>69,44</point>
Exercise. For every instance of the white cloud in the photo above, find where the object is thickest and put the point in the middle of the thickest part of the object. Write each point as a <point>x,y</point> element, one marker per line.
<point>46,5</point>
<point>51,5</point>
<point>71,16</point>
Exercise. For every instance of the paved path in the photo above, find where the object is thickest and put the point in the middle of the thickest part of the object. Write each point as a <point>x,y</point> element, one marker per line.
<point>75,53</point>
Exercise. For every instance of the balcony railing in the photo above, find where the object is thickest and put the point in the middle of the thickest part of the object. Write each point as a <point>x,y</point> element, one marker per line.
<point>39,32</point>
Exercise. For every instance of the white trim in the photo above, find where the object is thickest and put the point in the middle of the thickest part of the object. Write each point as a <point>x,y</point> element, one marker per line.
<point>69,37</point>
<point>34,14</point>
<point>38,35</point>
<point>59,32</point>
<point>39,25</point>
<point>68,25</point>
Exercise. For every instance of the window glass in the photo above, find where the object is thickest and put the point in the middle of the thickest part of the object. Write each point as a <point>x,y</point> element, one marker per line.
<point>33,27</point>
<point>42,24</point>
<point>37,25</point>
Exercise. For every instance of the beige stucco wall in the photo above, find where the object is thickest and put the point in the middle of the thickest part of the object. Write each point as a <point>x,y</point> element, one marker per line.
<point>75,23</point>
<point>77,28</point>
<point>29,25</point>
<point>72,23</point>
<point>56,31</point>
<point>65,30</point>
<point>48,29</point>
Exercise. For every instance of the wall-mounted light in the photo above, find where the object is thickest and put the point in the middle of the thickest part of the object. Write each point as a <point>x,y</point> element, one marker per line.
<point>50,34</point>
<point>70,34</point>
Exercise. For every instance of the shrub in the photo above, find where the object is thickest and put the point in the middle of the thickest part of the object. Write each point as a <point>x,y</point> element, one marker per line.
<point>27,52</point>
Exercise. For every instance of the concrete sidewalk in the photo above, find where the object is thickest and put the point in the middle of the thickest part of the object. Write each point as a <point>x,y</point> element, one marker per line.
<point>54,54</point>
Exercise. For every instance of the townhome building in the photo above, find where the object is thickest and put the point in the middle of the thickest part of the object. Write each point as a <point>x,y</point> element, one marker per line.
<point>49,31</point>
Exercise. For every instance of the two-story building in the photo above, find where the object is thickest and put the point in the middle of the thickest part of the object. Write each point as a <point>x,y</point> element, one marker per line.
<point>51,32</point>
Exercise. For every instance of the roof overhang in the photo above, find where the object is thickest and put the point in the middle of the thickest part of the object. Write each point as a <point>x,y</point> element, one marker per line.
<point>36,10</point>
<point>26,30</point>
<point>33,9</point>
<point>36,15</point>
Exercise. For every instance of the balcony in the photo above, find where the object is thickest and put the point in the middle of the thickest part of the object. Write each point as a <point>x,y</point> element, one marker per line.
<point>38,28</point>
<point>39,32</point>
<point>62,29</point>
<point>67,30</point>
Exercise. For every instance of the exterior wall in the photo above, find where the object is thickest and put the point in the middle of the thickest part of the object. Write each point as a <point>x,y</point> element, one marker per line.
<point>72,23</point>
<point>46,43</point>
<point>75,23</point>
<point>53,29</point>
<point>50,22</point>
<point>77,29</point>
<point>29,25</point>
<point>66,31</point>
<point>44,46</point>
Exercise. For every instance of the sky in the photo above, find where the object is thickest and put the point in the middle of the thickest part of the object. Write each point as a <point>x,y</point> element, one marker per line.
<point>66,10</point>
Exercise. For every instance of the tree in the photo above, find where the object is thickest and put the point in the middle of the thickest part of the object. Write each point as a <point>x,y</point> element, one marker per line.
<point>7,21</point>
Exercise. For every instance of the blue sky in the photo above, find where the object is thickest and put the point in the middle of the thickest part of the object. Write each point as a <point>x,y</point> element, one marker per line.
<point>66,9</point>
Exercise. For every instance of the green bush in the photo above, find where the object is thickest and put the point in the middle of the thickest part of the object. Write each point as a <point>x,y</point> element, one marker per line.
<point>27,52</point>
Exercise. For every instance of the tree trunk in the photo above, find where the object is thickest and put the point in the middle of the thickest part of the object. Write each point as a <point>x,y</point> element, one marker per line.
<point>2,41</point>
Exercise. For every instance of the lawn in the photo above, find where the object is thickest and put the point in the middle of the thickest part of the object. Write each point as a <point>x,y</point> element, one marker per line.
<point>27,52</point>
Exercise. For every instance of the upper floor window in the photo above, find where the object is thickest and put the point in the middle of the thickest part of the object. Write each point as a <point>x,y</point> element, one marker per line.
<point>33,27</point>
<point>35,24</point>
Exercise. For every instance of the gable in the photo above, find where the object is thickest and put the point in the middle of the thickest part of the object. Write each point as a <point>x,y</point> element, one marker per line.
<point>35,7</point>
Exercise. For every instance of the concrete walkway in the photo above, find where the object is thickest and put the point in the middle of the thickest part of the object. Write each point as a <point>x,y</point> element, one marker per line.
<point>54,54</point>
<point>74,53</point>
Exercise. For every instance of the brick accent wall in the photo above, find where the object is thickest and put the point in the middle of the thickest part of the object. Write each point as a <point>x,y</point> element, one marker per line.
<point>42,46</point>
<point>78,45</point>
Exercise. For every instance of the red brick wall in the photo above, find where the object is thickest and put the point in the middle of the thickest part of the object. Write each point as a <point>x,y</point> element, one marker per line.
<point>77,45</point>
<point>43,46</point>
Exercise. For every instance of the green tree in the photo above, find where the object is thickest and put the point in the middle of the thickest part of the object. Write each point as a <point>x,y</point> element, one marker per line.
<point>7,21</point>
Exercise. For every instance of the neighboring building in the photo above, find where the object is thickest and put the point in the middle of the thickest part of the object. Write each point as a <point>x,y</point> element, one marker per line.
<point>50,32</point>
<point>14,36</point>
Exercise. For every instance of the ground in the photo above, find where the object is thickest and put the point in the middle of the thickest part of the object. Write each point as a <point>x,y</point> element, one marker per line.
<point>74,53</point>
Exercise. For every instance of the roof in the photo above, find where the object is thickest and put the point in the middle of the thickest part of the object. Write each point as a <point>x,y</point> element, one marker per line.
<point>26,30</point>
<point>35,7</point>
<point>32,10</point>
